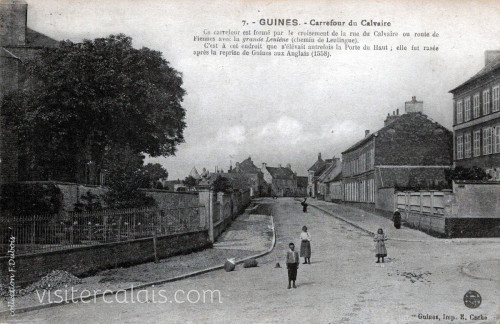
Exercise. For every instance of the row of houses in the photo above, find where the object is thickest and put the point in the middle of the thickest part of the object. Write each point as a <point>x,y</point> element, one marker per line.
<point>265,181</point>
<point>411,150</point>
<point>412,154</point>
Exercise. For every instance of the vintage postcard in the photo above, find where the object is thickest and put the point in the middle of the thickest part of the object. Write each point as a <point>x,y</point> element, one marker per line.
<point>167,161</point>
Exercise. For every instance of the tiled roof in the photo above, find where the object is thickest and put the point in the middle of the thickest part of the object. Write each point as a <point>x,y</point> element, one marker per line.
<point>36,39</point>
<point>281,173</point>
<point>247,166</point>
<point>317,165</point>
<point>402,119</point>
<point>494,65</point>
<point>331,171</point>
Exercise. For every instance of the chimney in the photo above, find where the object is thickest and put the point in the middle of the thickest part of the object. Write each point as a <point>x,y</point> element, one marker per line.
<point>319,156</point>
<point>397,112</point>
<point>263,166</point>
<point>367,132</point>
<point>279,165</point>
<point>490,56</point>
<point>414,106</point>
<point>13,19</point>
<point>289,166</point>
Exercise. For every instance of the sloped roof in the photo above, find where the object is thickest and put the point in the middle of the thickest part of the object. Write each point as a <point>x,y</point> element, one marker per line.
<point>402,119</point>
<point>194,173</point>
<point>331,171</point>
<point>493,65</point>
<point>247,166</point>
<point>36,39</point>
<point>320,163</point>
<point>281,173</point>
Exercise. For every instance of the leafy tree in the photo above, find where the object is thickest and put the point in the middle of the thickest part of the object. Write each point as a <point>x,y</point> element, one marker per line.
<point>221,184</point>
<point>153,173</point>
<point>190,182</point>
<point>89,203</point>
<point>80,100</point>
<point>461,173</point>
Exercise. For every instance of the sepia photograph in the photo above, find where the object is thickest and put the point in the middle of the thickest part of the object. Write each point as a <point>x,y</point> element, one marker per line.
<point>250,161</point>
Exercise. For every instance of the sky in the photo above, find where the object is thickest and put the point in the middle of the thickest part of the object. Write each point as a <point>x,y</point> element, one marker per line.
<point>282,110</point>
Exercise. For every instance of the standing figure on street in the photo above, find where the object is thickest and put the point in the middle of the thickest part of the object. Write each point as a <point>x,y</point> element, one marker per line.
<point>397,219</point>
<point>305,245</point>
<point>304,205</point>
<point>292,264</point>
<point>380,239</point>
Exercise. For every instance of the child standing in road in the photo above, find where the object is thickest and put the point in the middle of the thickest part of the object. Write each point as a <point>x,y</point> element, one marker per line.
<point>292,264</point>
<point>380,239</point>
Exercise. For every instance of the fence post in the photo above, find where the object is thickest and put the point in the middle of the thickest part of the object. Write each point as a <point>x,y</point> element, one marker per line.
<point>154,247</point>
<point>120,228</point>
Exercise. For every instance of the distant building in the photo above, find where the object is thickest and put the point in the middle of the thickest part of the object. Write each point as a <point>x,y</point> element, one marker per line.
<point>410,150</point>
<point>332,170</point>
<point>282,181</point>
<point>302,183</point>
<point>476,118</point>
<point>174,185</point>
<point>313,174</point>
<point>17,44</point>
<point>194,173</point>
<point>335,191</point>
<point>254,175</point>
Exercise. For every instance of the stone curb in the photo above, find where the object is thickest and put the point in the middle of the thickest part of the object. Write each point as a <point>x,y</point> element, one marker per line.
<point>444,240</point>
<point>343,219</point>
<point>362,228</point>
<point>6,314</point>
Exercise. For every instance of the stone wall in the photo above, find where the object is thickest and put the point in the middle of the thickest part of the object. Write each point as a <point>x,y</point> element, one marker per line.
<point>476,200</point>
<point>385,199</point>
<point>88,260</point>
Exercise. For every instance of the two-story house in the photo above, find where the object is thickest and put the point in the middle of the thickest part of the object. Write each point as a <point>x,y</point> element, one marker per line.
<point>411,150</point>
<point>282,181</point>
<point>476,118</point>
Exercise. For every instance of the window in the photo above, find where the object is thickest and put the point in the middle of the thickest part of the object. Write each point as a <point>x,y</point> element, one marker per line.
<point>487,144</point>
<point>486,102</point>
<point>467,109</point>
<point>496,137</point>
<point>460,111</point>
<point>476,112</point>
<point>467,145</point>
<point>477,143</point>
<point>460,147</point>
<point>496,98</point>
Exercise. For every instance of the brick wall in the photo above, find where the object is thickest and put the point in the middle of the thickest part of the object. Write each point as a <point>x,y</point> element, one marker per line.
<point>88,260</point>
<point>13,23</point>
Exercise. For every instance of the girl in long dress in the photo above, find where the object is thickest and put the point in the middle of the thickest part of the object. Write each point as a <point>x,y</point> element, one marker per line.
<point>381,251</point>
<point>305,245</point>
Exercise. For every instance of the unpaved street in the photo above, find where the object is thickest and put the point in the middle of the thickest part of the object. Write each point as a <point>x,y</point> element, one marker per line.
<point>418,282</point>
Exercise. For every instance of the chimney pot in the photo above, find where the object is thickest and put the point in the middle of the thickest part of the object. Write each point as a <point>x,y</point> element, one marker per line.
<point>319,156</point>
